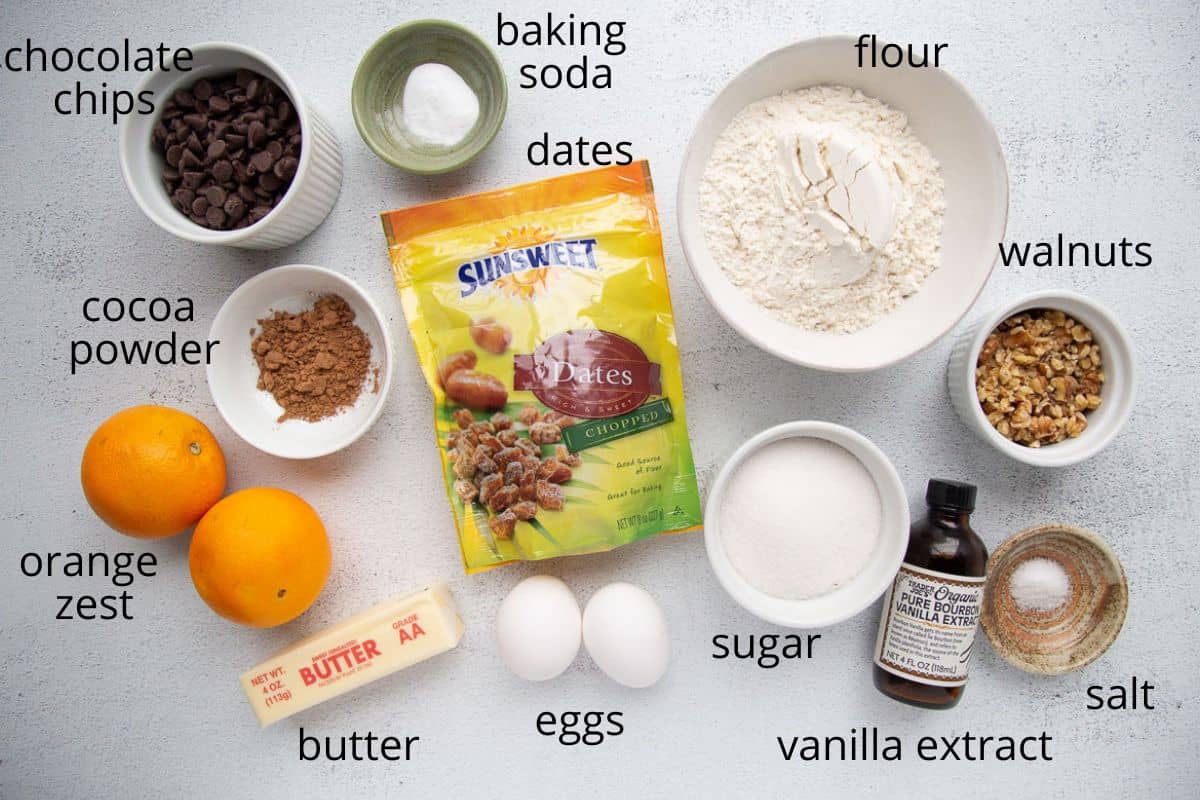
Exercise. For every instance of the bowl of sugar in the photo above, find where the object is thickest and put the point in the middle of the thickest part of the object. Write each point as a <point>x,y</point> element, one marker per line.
<point>806,524</point>
<point>429,96</point>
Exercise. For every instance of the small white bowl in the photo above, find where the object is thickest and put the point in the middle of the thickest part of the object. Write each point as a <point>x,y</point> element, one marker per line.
<point>308,200</point>
<point>948,120</point>
<point>233,372</point>
<point>1116,394</point>
<point>845,601</point>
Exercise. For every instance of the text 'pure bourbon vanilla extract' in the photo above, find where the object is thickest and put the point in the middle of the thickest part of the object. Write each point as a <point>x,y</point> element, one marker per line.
<point>931,613</point>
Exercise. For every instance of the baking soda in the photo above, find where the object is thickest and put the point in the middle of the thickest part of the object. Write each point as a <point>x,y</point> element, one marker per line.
<point>801,517</point>
<point>439,107</point>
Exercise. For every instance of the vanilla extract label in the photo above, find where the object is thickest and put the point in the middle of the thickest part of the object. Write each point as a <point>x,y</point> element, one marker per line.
<point>927,631</point>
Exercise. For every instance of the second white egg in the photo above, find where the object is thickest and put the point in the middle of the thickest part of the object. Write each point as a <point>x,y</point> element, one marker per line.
<point>626,634</point>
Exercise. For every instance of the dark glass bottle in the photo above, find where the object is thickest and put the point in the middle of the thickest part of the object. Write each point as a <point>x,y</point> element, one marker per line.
<point>931,612</point>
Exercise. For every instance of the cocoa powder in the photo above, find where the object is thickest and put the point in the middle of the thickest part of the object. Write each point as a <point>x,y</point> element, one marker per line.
<point>314,363</point>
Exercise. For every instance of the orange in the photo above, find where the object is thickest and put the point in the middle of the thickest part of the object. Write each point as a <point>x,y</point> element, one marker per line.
<point>260,557</point>
<point>152,471</point>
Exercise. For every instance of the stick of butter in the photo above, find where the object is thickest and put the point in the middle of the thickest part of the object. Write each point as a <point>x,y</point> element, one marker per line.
<point>388,637</point>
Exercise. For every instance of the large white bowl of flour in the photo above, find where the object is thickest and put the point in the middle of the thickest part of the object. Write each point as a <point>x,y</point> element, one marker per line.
<point>944,117</point>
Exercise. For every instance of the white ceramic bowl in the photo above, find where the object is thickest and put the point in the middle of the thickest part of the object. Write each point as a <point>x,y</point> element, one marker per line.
<point>233,373</point>
<point>309,199</point>
<point>845,601</point>
<point>1117,392</point>
<point>956,130</point>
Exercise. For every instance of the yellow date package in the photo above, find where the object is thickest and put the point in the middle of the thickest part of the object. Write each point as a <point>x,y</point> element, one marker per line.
<point>542,321</point>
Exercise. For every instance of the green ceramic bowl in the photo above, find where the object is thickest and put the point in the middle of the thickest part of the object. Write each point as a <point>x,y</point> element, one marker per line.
<point>378,88</point>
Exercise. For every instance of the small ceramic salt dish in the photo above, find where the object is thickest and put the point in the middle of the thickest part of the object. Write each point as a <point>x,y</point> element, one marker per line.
<point>1054,638</point>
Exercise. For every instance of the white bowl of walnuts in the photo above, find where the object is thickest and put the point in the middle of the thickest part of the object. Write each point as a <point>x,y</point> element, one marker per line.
<point>1048,379</point>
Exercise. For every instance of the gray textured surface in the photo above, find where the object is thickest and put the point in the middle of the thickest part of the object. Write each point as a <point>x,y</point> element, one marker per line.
<point>1096,108</point>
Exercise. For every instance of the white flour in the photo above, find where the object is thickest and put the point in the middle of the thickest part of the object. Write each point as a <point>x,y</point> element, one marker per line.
<point>823,253</point>
<point>800,518</point>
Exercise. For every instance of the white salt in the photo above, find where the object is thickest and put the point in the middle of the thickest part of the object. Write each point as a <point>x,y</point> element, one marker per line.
<point>800,518</point>
<point>1039,584</point>
<point>439,107</point>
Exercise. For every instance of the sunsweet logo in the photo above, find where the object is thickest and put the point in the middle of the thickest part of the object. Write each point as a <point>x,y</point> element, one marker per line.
<point>524,269</point>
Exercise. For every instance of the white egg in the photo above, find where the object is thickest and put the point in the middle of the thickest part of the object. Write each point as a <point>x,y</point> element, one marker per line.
<point>625,632</point>
<point>538,628</point>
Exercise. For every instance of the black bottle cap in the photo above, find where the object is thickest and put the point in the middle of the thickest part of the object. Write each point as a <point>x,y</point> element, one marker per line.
<point>950,494</point>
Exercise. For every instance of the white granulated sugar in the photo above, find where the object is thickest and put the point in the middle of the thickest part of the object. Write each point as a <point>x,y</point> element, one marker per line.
<point>824,207</point>
<point>1040,584</point>
<point>800,518</point>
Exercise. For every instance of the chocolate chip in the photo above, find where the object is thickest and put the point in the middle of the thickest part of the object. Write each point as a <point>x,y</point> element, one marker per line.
<point>275,149</point>
<point>285,168</point>
<point>173,154</point>
<point>215,217</point>
<point>196,122</point>
<point>218,104</point>
<point>202,90</point>
<point>200,205</point>
<point>189,160</point>
<point>222,171</point>
<point>255,133</point>
<point>262,161</point>
<point>216,150</point>
<point>234,207</point>
<point>215,195</point>
<point>269,182</point>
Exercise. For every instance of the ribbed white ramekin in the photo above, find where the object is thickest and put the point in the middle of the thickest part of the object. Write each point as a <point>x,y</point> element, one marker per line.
<point>309,199</point>
<point>1117,392</point>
